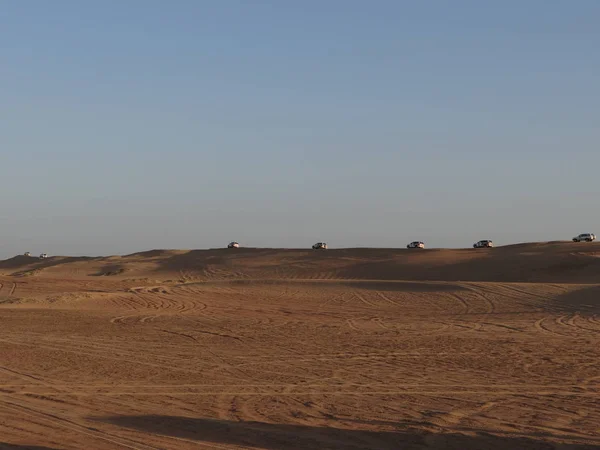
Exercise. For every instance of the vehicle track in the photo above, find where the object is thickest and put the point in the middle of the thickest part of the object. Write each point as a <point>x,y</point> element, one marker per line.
<point>278,387</point>
<point>541,326</point>
<point>521,291</point>
<point>356,355</point>
<point>463,303</point>
<point>352,325</point>
<point>477,291</point>
<point>335,299</point>
<point>101,350</point>
<point>467,326</point>
<point>196,443</point>
<point>487,390</point>
<point>212,333</point>
<point>24,376</point>
<point>163,305</point>
<point>380,323</point>
<point>561,321</point>
<point>108,356</point>
<point>363,300</point>
<point>572,323</point>
<point>457,416</point>
<point>503,326</point>
<point>593,320</point>
<point>61,422</point>
<point>385,298</point>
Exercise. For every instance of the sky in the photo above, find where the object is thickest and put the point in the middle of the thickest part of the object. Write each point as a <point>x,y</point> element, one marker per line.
<point>141,124</point>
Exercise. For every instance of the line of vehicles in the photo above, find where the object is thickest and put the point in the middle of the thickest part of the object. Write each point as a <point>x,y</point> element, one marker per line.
<point>42,256</point>
<point>484,243</point>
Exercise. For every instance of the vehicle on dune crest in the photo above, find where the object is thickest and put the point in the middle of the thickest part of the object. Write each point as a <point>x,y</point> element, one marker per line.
<point>233,245</point>
<point>27,254</point>
<point>484,243</point>
<point>43,256</point>
<point>416,244</point>
<point>320,246</point>
<point>585,237</point>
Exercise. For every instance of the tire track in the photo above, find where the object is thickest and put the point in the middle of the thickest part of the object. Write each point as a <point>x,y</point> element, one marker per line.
<point>357,355</point>
<point>572,323</point>
<point>165,305</point>
<point>566,322</point>
<point>351,324</point>
<point>490,305</point>
<point>379,322</point>
<point>521,291</point>
<point>334,299</point>
<point>454,418</point>
<point>467,326</point>
<point>23,376</point>
<point>279,387</point>
<point>55,420</point>
<point>540,392</point>
<point>197,443</point>
<point>110,356</point>
<point>593,320</point>
<point>94,348</point>
<point>503,326</point>
<point>386,298</point>
<point>119,355</point>
<point>463,302</point>
<point>212,333</point>
<point>363,299</point>
<point>540,326</point>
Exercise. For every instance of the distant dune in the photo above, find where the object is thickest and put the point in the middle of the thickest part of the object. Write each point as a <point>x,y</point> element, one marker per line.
<point>563,262</point>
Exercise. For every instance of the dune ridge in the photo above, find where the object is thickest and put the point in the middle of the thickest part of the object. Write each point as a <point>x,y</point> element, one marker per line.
<point>562,262</point>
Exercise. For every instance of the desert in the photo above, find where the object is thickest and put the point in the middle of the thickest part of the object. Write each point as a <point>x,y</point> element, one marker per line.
<point>252,348</point>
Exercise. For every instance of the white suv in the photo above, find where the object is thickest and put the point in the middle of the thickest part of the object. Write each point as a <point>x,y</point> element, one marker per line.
<point>416,244</point>
<point>320,246</point>
<point>483,243</point>
<point>587,237</point>
<point>43,256</point>
<point>233,245</point>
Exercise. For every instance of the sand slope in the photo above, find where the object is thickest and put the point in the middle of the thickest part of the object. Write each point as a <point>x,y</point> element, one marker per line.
<point>272,349</point>
<point>563,262</point>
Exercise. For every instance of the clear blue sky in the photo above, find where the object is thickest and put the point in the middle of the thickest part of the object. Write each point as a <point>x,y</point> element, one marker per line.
<point>139,124</point>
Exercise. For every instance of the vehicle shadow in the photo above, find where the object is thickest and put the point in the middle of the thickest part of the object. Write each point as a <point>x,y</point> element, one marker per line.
<point>399,436</point>
<point>7,446</point>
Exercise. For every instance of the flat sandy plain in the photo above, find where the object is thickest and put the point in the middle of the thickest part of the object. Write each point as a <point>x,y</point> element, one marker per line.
<point>297,349</point>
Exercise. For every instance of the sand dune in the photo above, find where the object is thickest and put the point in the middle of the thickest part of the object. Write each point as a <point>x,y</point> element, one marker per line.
<point>283,348</point>
<point>562,262</point>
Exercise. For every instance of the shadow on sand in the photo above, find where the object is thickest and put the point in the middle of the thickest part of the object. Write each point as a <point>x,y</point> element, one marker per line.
<point>282,436</point>
<point>585,301</point>
<point>6,446</point>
